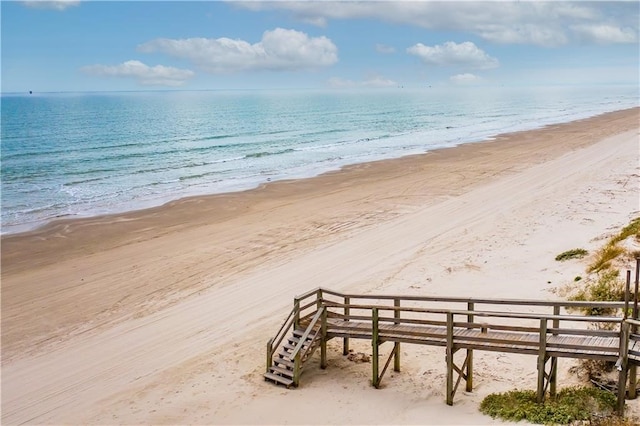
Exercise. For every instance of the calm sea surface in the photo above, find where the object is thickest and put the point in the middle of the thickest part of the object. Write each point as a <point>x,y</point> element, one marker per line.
<point>75,155</point>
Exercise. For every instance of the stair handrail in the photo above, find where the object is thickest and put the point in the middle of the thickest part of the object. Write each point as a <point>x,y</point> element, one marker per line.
<point>304,337</point>
<point>282,333</point>
<point>285,326</point>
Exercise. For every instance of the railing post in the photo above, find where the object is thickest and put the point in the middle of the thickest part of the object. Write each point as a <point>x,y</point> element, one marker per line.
<point>296,313</point>
<point>345,341</point>
<point>542,360</point>
<point>633,369</point>
<point>621,365</point>
<point>553,380</point>
<point>396,348</point>
<point>635,295</point>
<point>323,342</point>
<point>269,354</point>
<point>449,358</point>
<point>624,349</point>
<point>319,299</point>
<point>470,318</point>
<point>374,346</point>
<point>627,290</point>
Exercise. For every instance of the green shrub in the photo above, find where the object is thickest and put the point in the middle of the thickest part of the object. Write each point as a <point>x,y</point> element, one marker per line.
<point>572,254</point>
<point>570,405</point>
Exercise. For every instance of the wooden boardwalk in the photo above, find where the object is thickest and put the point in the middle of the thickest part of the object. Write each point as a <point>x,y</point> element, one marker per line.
<point>546,329</point>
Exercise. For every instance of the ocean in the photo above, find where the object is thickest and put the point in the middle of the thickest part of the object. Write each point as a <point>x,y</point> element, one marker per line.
<point>69,155</point>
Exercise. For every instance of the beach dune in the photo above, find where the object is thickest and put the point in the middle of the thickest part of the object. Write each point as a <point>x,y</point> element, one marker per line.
<point>162,315</point>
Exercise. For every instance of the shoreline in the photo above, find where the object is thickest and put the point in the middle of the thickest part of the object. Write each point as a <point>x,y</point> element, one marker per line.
<point>147,205</point>
<point>162,317</point>
<point>171,212</point>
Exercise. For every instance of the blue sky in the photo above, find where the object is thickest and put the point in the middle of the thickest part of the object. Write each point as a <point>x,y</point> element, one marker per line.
<point>157,45</point>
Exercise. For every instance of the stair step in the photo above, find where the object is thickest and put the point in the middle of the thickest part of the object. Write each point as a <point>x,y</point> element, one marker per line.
<point>293,339</point>
<point>300,333</point>
<point>284,354</point>
<point>290,347</point>
<point>281,371</point>
<point>304,344</point>
<point>278,379</point>
<point>283,361</point>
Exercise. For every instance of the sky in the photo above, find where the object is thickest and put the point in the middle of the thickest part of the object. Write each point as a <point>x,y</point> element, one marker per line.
<point>57,46</point>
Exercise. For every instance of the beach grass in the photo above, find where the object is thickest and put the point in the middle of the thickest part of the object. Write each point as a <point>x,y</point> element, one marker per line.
<point>613,250</point>
<point>605,256</point>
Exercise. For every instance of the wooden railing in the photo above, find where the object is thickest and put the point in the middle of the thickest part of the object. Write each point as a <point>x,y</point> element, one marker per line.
<point>301,308</point>
<point>298,353</point>
<point>548,329</point>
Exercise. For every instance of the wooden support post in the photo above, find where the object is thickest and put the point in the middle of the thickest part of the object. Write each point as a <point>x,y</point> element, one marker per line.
<point>449,357</point>
<point>469,371</point>
<point>345,341</point>
<point>542,360</point>
<point>297,364</point>
<point>396,348</point>
<point>633,382</point>
<point>319,298</point>
<point>627,294</point>
<point>323,341</point>
<point>556,321</point>
<point>621,365</point>
<point>553,378</point>
<point>374,347</point>
<point>296,314</point>
<point>633,369</point>
<point>269,354</point>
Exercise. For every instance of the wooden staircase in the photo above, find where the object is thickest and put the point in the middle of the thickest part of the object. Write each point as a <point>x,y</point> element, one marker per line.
<point>283,368</point>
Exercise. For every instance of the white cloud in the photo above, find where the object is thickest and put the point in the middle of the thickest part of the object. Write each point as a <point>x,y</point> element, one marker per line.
<point>450,53</point>
<point>279,49</point>
<point>523,34</point>
<point>158,75</point>
<point>465,78</point>
<point>371,82</point>
<point>57,5</point>
<point>544,23</point>
<point>383,48</point>
<point>604,34</point>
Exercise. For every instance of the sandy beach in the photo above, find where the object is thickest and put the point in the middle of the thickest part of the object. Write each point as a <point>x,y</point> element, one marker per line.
<point>161,316</point>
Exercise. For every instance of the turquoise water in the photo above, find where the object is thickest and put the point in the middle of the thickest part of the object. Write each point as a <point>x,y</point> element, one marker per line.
<point>83,154</point>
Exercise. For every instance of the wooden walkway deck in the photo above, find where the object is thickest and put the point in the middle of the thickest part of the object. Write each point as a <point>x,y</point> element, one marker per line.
<point>546,329</point>
<point>496,341</point>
